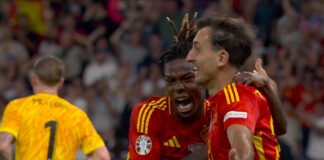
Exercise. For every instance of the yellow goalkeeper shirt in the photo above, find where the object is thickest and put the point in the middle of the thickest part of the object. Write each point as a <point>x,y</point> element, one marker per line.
<point>46,126</point>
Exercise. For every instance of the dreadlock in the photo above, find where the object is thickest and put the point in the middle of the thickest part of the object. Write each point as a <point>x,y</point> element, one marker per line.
<point>182,42</point>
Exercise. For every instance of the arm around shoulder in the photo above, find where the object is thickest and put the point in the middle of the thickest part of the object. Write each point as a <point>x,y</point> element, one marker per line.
<point>275,106</point>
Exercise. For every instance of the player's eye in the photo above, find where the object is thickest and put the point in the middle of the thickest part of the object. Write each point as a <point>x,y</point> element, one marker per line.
<point>189,78</point>
<point>170,81</point>
<point>197,48</point>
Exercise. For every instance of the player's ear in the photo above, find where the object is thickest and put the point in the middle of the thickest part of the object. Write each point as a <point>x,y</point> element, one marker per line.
<point>222,57</point>
<point>60,84</point>
<point>33,80</point>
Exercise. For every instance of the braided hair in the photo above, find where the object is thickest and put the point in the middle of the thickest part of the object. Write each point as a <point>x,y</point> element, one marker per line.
<point>182,42</point>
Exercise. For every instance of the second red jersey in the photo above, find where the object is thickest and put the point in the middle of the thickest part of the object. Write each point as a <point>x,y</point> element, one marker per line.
<point>243,105</point>
<point>155,133</point>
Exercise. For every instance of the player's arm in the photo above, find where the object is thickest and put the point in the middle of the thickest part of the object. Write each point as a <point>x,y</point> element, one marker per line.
<point>115,38</point>
<point>92,144</point>
<point>151,148</point>
<point>240,138</point>
<point>199,154</point>
<point>239,110</point>
<point>260,79</point>
<point>9,128</point>
<point>5,145</point>
<point>99,154</point>
<point>275,106</point>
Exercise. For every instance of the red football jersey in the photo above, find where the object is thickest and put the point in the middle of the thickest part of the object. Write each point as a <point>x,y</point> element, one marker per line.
<point>155,133</point>
<point>239,104</point>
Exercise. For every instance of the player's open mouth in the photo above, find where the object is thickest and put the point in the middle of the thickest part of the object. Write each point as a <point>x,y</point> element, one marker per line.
<point>184,104</point>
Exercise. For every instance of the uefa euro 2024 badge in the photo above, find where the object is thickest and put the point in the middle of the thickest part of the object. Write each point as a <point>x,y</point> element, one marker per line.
<point>143,145</point>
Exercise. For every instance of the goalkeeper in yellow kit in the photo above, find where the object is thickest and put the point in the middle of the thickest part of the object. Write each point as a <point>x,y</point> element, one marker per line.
<point>45,126</point>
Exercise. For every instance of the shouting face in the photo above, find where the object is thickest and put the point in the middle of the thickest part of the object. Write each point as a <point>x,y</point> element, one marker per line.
<point>187,97</point>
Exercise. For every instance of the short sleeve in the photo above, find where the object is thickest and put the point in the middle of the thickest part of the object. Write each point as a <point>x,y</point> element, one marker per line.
<point>239,107</point>
<point>11,119</point>
<point>143,145</point>
<point>91,140</point>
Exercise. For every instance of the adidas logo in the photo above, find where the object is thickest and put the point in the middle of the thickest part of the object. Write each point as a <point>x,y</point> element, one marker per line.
<point>173,142</point>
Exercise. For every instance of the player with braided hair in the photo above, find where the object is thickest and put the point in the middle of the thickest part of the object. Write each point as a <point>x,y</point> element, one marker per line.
<point>174,126</point>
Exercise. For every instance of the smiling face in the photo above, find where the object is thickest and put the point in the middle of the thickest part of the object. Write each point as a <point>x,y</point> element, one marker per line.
<point>205,58</point>
<point>187,97</point>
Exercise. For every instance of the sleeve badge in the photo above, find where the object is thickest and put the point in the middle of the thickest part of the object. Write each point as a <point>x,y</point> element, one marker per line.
<point>143,145</point>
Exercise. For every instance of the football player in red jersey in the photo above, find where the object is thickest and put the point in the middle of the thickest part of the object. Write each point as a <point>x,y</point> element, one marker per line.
<point>175,126</point>
<point>242,125</point>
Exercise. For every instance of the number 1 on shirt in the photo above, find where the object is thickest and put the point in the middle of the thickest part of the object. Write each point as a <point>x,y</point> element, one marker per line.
<point>51,124</point>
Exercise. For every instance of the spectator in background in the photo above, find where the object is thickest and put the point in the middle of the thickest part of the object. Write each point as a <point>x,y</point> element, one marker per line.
<point>50,46</point>
<point>155,83</point>
<point>73,55</point>
<point>103,114</point>
<point>245,8</point>
<point>130,50</point>
<point>266,12</point>
<point>221,7</point>
<point>24,35</point>
<point>79,34</point>
<point>149,14</point>
<point>17,89</point>
<point>68,25</point>
<point>124,81</point>
<point>95,17</point>
<point>155,50</point>
<point>290,143</point>
<point>316,138</point>
<point>103,66</point>
<point>172,9</point>
<point>11,49</point>
<point>74,95</point>
<point>287,26</point>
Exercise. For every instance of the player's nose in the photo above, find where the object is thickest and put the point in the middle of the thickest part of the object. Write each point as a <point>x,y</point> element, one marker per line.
<point>190,57</point>
<point>179,86</point>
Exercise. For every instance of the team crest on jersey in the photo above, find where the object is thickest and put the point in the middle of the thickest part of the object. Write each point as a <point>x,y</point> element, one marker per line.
<point>143,145</point>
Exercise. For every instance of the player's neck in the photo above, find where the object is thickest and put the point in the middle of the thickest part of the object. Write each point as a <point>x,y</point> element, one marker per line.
<point>221,80</point>
<point>47,90</point>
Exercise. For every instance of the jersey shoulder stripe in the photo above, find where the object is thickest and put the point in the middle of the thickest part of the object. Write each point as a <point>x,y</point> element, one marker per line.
<point>231,93</point>
<point>146,110</point>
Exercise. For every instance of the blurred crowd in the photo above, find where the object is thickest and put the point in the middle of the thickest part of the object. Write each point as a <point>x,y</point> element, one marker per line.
<point>110,48</point>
